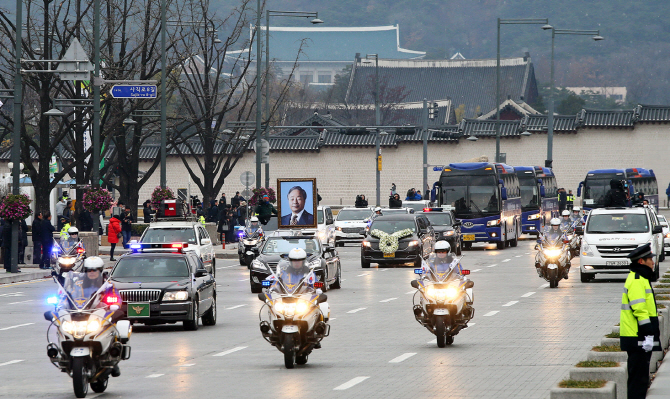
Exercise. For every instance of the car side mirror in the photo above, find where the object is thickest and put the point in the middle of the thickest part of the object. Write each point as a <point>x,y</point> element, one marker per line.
<point>261,297</point>
<point>206,241</point>
<point>415,284</point>
<point>322,298</point>
<point>105,276</point>
<point>657,230</point>
<point>201,272</point>
<point>363,232</point>
<point>329,220</point>
<point>503,194</point>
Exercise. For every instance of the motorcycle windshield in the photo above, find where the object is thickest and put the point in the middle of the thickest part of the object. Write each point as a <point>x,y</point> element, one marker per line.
<point>440,269</point>
<point>295,279</point>
<point>81,287</point>
<point>553,241</point>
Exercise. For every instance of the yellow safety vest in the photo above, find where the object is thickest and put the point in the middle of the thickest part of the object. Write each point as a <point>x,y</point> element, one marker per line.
<point>571,198</point>
<point>63,231</point>
<point>202,220</point>
<point>638,313</point>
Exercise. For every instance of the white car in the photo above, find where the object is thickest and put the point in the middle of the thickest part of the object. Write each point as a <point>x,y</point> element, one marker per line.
<point>666,233</point>
<point>349,224</point>
<point>418,206</point>
<point>177,232</point>
<point>611,234</point>
<point>325,230</point>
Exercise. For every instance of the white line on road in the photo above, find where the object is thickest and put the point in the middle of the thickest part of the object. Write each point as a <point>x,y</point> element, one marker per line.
<point>244,279</point>
<point>388,300</point>
<point>229,351</point>
<point>383,270</point>
<point>544,285</point>
<point>491,313</point>
<point>470,325</point>
<point>518,256</point>
<point>432,341</point>
<point>19,325</point>
<point>10,362</point>
<point>154,375</point>
<point>186,365</point>
<point>507,260</point>
<point>493,265</point>
<point>527,253</point>
<point>527,294</point>
<point>510,303</point>
<point>331,319</point>
<point>235,307</point>
<point>410,292</point>
<point>14,303</point>
<point>476,270</point>
<point>344,279</point>
<point>402,357</point>
<point>364,274</point>
<point>356,310</point>
<point>12,294</point>
<point>350,383</point>
<point>223,267</point>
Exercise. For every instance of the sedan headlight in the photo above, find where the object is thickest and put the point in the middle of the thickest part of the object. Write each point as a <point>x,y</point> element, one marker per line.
<point>448,233</point>
<point>175,296</point>
<point>413,243</point>
<point>366,244</point>
<point>586,249</point>
<point>534,217</point>
<point>493,223</point>
<point>338,228</point>
<point>258,265</point>
<point>553,253</point>
<point>667,235</point>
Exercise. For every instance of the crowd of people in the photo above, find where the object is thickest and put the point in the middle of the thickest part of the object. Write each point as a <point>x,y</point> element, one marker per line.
<point>394,198</point>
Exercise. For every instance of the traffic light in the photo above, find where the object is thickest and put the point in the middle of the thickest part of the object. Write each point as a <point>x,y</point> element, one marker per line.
<point>433,111</point>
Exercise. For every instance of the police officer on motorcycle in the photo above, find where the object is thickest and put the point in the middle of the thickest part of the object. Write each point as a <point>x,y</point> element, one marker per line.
<point>566,220</point>
<point>576,214</point>
<point>554,231</point>
<point>291,274</point>
<point>71,241</point>
<point>442,258</point>
<point>253,224</point>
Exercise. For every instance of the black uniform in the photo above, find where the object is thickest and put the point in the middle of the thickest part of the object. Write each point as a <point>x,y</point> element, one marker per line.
<point>37,241</point>
<point>616,197</point>
<point>47,242</point>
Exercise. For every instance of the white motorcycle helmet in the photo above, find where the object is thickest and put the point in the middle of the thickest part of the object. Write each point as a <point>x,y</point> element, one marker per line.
<point>94,263</point>
<point>565,213</point>
<point>253,219</point>
<point>576,208</point>
<point>555,222</point>
<point>73,230</point>
<point>378,210</point>
<point>297,257</point>
<point>442,249</point>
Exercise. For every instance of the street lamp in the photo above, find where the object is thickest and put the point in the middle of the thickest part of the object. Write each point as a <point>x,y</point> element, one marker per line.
<point>368,60</point>
<point>514,21</point>
<point>276,13</point>
<point>550,112</point>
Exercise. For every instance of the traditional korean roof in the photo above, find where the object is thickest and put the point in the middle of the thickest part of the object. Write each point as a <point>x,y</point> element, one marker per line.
<point>606,118</point>
<point>538,123</point>
<point>653,113</point>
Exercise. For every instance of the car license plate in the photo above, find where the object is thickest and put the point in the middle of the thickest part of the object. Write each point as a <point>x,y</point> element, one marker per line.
<point>468,237</point>
<point>353,235</point>
<point>139,310</point>
<point>392,255</point>
<point>617,263</point>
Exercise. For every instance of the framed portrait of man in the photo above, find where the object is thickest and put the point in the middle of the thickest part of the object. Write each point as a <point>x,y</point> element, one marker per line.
<point>296,203</point>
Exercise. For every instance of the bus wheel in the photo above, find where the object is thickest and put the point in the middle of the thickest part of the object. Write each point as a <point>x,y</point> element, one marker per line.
<point>514,242</point>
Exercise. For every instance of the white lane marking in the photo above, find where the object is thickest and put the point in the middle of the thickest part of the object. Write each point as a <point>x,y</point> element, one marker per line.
<point>331,319</point>
<point>186,365</point>
<point>12,294</point>
<point>223,267</point>
<point>244,279</point>
<point>493,265</point>
<point>356,310</point>
<point>544,285</point>
<point>470,325</point>
<point>527,253</point>
<point>39,280</point>
<point>507,260</point>
<point>10,362</point>
<point>19,325</point>
<point>350,383</point>
<point>14,303</point>
<point>476,270</point>
<point>344,279</point>
<point>364,274</point>
<point>383,270</point>
<point>235,307</point>
<point>432,341</point>
<point>402,357</point>
<point>229,351</point>
<point>491,313</point>
<point>154,375</point>
<point>388,300</point>
<point>527,294</point>
<point>410,292</point>
<point>510,303</point>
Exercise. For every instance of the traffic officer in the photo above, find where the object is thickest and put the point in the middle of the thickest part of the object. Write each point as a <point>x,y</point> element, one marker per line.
<point>571,200</point>
<point>639,321</point>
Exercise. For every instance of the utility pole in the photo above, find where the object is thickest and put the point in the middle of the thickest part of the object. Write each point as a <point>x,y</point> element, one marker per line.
<point>16,133</point>
<point>259,98</point>
<point>163,95</point>
<point>95,175</point>
<point>425,147</point>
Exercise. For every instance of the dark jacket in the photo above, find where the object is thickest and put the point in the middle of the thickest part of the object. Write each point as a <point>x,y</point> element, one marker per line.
<point>360,202</point>
<point>147,212</point>
<point>85,221</point>
<point>37,230</point>
<point>562,199</point>
<point>127,222</point>
<point>318,198</point>
<point>395,203</point>
<point>6,235</point>
<point>222,201</point>
<point>667,191</point>
<point>23,233</point>
<point>265,209</point>
<point>47,232</point>
<point>212,213</point>
<point>616,196</point>
<point>236,200</point>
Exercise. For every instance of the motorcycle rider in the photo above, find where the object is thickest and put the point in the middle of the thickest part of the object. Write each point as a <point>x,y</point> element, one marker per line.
<point>576,214</point>
<point>82,285</point>
<point>71,241</point>
<point>253,225</point>
<point>440,262</point>
<point>554,231</point>
<point>566,220</point>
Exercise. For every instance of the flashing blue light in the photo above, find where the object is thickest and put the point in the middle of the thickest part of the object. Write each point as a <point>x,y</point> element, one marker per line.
<point>418,271</point>
<point>266,283</point>
<point>54,249</point>
<point>241,234</point>
<point>135,246</point>
<point>52,300</point>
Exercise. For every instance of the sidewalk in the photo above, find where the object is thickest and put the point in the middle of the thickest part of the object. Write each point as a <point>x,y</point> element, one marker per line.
<point>229,253</point>
<point>28,272</point>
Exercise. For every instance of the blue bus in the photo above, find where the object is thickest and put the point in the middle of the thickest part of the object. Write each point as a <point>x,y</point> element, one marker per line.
<point>486,198</point>
<point>595,186</point>
<point>539,197</point>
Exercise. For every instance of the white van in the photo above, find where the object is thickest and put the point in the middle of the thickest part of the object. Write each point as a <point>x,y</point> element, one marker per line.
<point>611,234</point>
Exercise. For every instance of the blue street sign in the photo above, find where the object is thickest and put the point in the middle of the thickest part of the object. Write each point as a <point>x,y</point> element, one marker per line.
<point>438,168</point>
<point>134,91</point>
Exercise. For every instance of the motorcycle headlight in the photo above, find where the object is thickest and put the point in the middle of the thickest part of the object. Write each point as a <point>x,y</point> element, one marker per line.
<point>450,292</point>
<point>250,242</point>
<point>586,249</point>
<point>175,296</point>
<point>534,217</point>
<point>301,307</point>
<point>76,328</point>
<point>448,233</point>
<point>553,253</point>
<point>493,223</point>
<point>92,326</point>
<point>279,306</point>
<point>66,261</point>
<point>258,265</point>
<point>413,243</point>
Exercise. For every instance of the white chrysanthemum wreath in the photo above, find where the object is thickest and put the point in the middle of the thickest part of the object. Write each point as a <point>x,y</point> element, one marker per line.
<point>388,243</point>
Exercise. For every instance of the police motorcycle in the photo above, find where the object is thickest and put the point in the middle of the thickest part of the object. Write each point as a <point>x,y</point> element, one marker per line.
<point>444,297</point>
<point>552,261</point>
<point>86,341</point>
<point>70,252</point>
<point>250,240</point>
<point>294,317</point>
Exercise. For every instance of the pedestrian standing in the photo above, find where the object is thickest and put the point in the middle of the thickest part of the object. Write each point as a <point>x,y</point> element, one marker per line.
<point>85,221</point>
<point>393,189</point>
<point>60,207</point>
<point>639,331</point>
<point>562,200</point>
<point>23,241</point>
<point>667,193</point>
<point>47,240</point>
<point>146,209</point>
<point>222,200</point>
<point>127,226</point>
<point>113,233</point>
<point>36,229</point>
<point>236,199</point>
<point>222,227</point>
<point>230,234</point>
<point>570,200</point>
<point>242,213</point>
<point>213,212</point>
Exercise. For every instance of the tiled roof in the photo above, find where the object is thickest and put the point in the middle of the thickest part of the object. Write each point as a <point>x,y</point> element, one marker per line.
<point>468,82</point>
<point>487,128</point>
<point>315,120</point>
<point>653,113</point>
<point>332,139</point>
<point>335,44</point>
<point>294,143</point>
<point>562,123</point>
<point>606,118</point>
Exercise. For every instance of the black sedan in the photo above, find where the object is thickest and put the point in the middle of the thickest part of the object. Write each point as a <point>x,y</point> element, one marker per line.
<point>158,288</point>
<point>323,258</point>
<point>446,227</point>
<point>411,248</point>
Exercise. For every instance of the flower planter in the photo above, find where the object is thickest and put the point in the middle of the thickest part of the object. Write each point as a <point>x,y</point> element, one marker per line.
<point>616,329</point>
<point>606,392</point>
<point>611,356</point>
<point>617,374</point>
<point>609,341</point>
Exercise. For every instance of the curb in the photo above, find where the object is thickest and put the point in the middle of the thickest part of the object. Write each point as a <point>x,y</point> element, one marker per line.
<point>606,392</point>
<point>24,276</point>
<point>617,374</point>
<point>660,387</point>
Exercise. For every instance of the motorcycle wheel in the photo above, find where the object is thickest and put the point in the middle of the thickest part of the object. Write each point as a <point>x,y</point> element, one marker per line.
<point>553,283</point>
<point>79,379</point>
<point>241,260</point>
<point>247,260</point>
<point>450,339</point>
<point>301,359</point>
<point>441,331</point>
<point>100,385</point>
<point>289,351</point>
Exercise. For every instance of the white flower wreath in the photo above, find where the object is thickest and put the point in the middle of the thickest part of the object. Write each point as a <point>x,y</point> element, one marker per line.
<point>388,243</point>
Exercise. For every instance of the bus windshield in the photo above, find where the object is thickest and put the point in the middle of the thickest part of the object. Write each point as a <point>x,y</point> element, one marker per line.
<point>595,189</point>
<point>530,196</point>
<point>471,196</point>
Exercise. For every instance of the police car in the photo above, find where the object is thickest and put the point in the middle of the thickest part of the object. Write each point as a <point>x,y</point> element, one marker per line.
<point>191,233</point>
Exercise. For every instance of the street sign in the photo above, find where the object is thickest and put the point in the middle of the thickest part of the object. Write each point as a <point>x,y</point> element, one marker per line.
<point>78,186</point>
<point>134,91</point>
<point>247,178</point>
<point>247,193</point>
<point>265,146</point>
<point>75,64</point>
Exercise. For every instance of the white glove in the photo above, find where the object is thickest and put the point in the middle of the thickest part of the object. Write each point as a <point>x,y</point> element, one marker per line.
<point>648,344</point>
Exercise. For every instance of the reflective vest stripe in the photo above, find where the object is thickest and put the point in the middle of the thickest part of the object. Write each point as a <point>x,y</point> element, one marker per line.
<point>648,291</point>
<point>635,302</point>
<point>643,322</point>
<point>625,306</point>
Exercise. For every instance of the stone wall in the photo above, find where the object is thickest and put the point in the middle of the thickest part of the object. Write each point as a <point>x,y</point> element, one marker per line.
<point>344,172</point>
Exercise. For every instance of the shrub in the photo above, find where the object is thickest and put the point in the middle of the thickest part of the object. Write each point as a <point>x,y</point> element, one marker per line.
<point>96,200</point>
<point>582,384</point>
<point>597,363</point>
<point>15,207</point>
<point>138,229</point>
<point>159,195</point>
<point>662,298</point>
<point>613,335</point>
<point>606,348</point>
